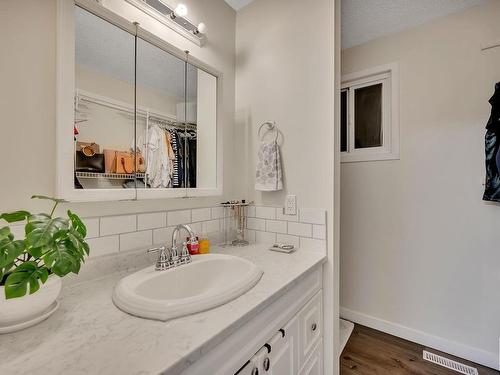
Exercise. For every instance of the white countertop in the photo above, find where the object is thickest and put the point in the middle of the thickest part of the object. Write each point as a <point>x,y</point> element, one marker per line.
<point>89,335</point>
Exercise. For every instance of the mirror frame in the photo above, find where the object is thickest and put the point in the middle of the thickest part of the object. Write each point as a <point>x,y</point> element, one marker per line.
<point>65,92</point>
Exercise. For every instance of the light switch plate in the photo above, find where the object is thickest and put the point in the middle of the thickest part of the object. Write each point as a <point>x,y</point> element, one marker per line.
<point>291,205</point>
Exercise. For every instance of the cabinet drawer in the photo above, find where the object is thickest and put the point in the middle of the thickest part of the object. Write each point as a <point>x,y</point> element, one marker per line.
<point>311,327</point>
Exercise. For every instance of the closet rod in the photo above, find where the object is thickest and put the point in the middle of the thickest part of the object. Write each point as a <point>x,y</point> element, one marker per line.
<point>175,125</point>
<point>490,46</point>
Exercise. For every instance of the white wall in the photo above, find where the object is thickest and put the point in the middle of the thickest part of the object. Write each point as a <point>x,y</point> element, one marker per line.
<point>28,105</point>
<point>206,158</point>
<point>285,73</point>
<point>419,248</point>
<point>109,128</point>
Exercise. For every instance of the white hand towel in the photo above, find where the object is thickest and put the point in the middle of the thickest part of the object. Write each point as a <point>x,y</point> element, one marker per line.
<point>269,176</point>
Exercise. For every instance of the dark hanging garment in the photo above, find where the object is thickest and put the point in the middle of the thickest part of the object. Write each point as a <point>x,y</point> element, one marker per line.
<point>192,162</point>
<point>181,149</point>
<point>177,147</point>
<point>492,144</point>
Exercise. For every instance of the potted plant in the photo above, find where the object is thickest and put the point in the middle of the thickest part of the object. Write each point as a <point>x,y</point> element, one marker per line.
<point>31,268</point>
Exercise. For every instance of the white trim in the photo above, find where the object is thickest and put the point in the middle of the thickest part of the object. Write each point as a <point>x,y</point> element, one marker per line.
<point>65,81</point>
<point>423,338</point>
<point>65,93</point>
<point>388,75</point>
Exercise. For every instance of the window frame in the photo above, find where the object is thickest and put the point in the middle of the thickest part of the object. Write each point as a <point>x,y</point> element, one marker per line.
<point>388,76</point>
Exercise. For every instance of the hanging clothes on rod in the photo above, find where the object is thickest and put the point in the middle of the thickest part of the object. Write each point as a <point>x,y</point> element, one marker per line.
<point>170,151</point>
<point>157,156</point>
<point>181,147</point>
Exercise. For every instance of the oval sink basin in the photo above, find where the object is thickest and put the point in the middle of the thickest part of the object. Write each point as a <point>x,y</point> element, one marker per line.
<point>208,281</point>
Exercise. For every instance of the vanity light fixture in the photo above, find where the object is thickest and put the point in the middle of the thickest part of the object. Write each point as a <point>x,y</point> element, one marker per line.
<point>201,29</point>
<point>173,17</point>
<point>181,10</point>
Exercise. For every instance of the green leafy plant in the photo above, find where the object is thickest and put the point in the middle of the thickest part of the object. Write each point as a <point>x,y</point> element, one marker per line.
<point>52,245</point>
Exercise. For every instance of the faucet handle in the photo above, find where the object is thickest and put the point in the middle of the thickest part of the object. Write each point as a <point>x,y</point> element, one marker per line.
<point>185,257</point>
<point>164,258</point>
<point>174,255</point>
<point>153,250</point>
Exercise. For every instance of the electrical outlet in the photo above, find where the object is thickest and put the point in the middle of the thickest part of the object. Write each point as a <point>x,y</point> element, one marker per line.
<point>291,205</point>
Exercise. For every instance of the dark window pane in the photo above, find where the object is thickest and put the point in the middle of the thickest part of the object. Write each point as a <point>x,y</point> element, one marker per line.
<point>368,116</point>
<point>343,121</point>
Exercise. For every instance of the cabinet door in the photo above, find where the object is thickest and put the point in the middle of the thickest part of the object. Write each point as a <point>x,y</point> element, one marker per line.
<point>283,359</point>
<point>314,365</point>
<point>311,327</point>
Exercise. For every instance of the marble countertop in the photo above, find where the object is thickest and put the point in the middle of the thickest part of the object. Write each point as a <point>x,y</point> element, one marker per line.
<point>89,335</point>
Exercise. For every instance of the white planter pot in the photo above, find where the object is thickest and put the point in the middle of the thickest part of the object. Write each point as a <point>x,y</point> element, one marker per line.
<point>22,312</point>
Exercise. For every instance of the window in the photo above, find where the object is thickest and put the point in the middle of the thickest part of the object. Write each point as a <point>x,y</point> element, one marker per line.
<point>369,123</point>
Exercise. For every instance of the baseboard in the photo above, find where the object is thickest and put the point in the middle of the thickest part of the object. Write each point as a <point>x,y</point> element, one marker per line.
<point>469,353</point>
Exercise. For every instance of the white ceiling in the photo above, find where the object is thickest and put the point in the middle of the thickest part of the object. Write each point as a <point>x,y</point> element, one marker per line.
<point>238,4</point>
<point>365,20</point>
<point>108,50</point>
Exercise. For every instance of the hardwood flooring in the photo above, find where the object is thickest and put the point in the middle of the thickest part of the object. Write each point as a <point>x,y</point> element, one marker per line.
<point>370,352</point>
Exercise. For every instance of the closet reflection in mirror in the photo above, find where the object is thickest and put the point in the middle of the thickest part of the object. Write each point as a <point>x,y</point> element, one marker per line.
<point>161,88</point>
<point>104,110</point>
<point>165,139</point>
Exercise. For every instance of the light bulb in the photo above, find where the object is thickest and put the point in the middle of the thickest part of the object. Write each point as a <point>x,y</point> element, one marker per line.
<point>202,28</point>
<point>181,10</point>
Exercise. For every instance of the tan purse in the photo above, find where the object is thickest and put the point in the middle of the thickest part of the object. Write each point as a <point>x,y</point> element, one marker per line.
<point>125,163</point>
<point>110,161</point>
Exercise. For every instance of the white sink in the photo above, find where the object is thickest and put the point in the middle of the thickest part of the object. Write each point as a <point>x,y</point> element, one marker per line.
<point>209,281</point>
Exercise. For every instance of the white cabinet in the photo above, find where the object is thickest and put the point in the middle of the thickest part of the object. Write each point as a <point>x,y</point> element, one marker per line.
<point>259,347</point>
<point>311,327</point>
<point>284,350</point>
<point>296,349</point>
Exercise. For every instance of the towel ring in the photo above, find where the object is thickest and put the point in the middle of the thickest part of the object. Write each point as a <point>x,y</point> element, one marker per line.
<point>269,127</point>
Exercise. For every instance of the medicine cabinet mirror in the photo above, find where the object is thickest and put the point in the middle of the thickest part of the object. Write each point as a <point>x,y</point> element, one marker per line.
<point>144,121</point>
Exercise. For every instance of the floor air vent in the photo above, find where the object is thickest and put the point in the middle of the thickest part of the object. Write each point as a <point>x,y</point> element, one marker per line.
<point>448,363</point>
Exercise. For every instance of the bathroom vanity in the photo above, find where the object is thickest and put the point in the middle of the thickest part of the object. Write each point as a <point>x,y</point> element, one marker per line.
<point>90,335</point>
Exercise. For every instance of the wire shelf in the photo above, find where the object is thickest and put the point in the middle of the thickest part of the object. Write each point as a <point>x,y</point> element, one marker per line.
<point>110,176</point>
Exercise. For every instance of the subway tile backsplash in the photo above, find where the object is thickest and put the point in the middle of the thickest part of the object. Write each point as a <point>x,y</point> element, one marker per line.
<point>117,225</point>
<point>178,217</point>
<point>201,214</point>
<point>262,212</point>
<point>300,229</point>
<point>152,220</point>
<point>114,234</point>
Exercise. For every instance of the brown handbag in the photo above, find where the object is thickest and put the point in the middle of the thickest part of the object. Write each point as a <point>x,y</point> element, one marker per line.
<point>125,163</point>
<point>88,148</point>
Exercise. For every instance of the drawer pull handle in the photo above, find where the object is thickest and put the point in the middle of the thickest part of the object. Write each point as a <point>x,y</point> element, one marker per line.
<point>267,364</point>
<point>314,326</point>
<point>255,371</point>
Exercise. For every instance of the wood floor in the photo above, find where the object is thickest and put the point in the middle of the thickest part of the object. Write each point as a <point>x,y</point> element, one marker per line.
<point>370,352</point>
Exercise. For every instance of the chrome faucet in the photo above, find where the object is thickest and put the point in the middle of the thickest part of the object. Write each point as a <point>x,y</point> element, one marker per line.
<point>172,257</point>
<point>183,257</point>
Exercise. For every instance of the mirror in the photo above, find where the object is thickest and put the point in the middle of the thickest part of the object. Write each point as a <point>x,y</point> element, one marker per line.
<point>139,97</point>
<point>104,103</point>
<point>161,88</point>
<point>204,110</point>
